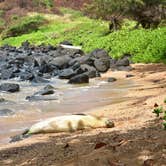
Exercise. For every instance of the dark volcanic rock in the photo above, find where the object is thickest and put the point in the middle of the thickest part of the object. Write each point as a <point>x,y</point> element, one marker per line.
<point>43,94</point>
<point>7,74</point>
<point>123,62</point>
<point>67,74</point>
<point>9,87</point>
<point>86,59</point>
<point>99,54</point>
<point>79,79</point>
<point>129,75</point>
<point>102,65</point>
<point>26,76</point>
<point>61,62</point>
<point>112,79</point>
<point>88,70</point>
<point>6,112</point>
<point>47,90</point>
<point>39,63</point>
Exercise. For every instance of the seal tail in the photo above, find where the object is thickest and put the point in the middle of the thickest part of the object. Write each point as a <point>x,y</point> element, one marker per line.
<point>20,137</point>
<point>25,132</point>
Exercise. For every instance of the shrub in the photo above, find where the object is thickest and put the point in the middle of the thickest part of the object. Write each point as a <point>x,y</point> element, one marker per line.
<point>158,111</point>
<point>24,26</point>
<point>164,124</point>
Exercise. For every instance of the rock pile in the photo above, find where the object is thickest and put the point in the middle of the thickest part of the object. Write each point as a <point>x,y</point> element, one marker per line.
<point>39,63</point>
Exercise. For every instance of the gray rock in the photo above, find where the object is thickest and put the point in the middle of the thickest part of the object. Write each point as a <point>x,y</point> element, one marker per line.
<point>61,62</point>
<point>7,74</point>
<point>102,65</point>
<point>123,62</point>
<point>79,79</point>
<point>129,75</point>
<point>88,70</point>
<point>112,79</point>
<point>99,54</point>
<point>67,74</point>
<point>9,87</point>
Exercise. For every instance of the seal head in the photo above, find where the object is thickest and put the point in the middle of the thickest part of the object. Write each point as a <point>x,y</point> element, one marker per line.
<point>109,123</point>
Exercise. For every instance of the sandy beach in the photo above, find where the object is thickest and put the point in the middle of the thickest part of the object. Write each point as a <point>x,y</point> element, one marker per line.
<point>138,138</point>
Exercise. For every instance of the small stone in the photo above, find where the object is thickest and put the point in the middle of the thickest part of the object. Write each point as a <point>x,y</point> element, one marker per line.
<point>129,75</point>
<point>9,87</point>
<point>112,79</point>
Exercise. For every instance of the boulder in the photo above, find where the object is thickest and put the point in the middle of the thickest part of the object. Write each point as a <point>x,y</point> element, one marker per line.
<point>123,62</point>
<point>79,79</point>
<point>61,62</point>
<point>102,65</point>
<point>88,70</point>
<point>67,74</point>
<point>86,59</point>
<point>9,87</point>
<point>99,54</point>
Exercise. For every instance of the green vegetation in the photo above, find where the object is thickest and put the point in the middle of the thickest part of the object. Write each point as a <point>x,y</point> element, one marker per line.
<point>145,45</point>
<point>158,111</point>
<point>165,101</point>
<point>164,124</point>
<point>24,26</point>
<point>161,113</point>
<point>46,3</point>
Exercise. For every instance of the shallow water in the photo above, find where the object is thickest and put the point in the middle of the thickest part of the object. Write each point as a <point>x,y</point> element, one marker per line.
<point>71,99</point>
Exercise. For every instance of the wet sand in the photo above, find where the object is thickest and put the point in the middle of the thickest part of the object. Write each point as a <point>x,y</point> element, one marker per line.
<point>71,99</point>
<point>138,137</point>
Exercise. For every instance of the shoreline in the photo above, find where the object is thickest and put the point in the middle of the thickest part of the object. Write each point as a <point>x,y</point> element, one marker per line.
<point>137,138</point>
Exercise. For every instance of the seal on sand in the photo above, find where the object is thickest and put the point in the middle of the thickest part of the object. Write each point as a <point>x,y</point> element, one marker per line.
<point>67,123</point>
<point>70,123</point>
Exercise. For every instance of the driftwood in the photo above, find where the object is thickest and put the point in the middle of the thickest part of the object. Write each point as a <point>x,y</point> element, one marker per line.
<point>71,47</point>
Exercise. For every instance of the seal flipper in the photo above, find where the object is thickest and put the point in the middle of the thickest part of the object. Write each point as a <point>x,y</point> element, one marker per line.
<point>25,132</point>
<point>20,137</point>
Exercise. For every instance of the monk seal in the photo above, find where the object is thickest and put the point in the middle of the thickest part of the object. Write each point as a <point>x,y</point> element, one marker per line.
<point>70,123</point>
<point>67,123</point>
